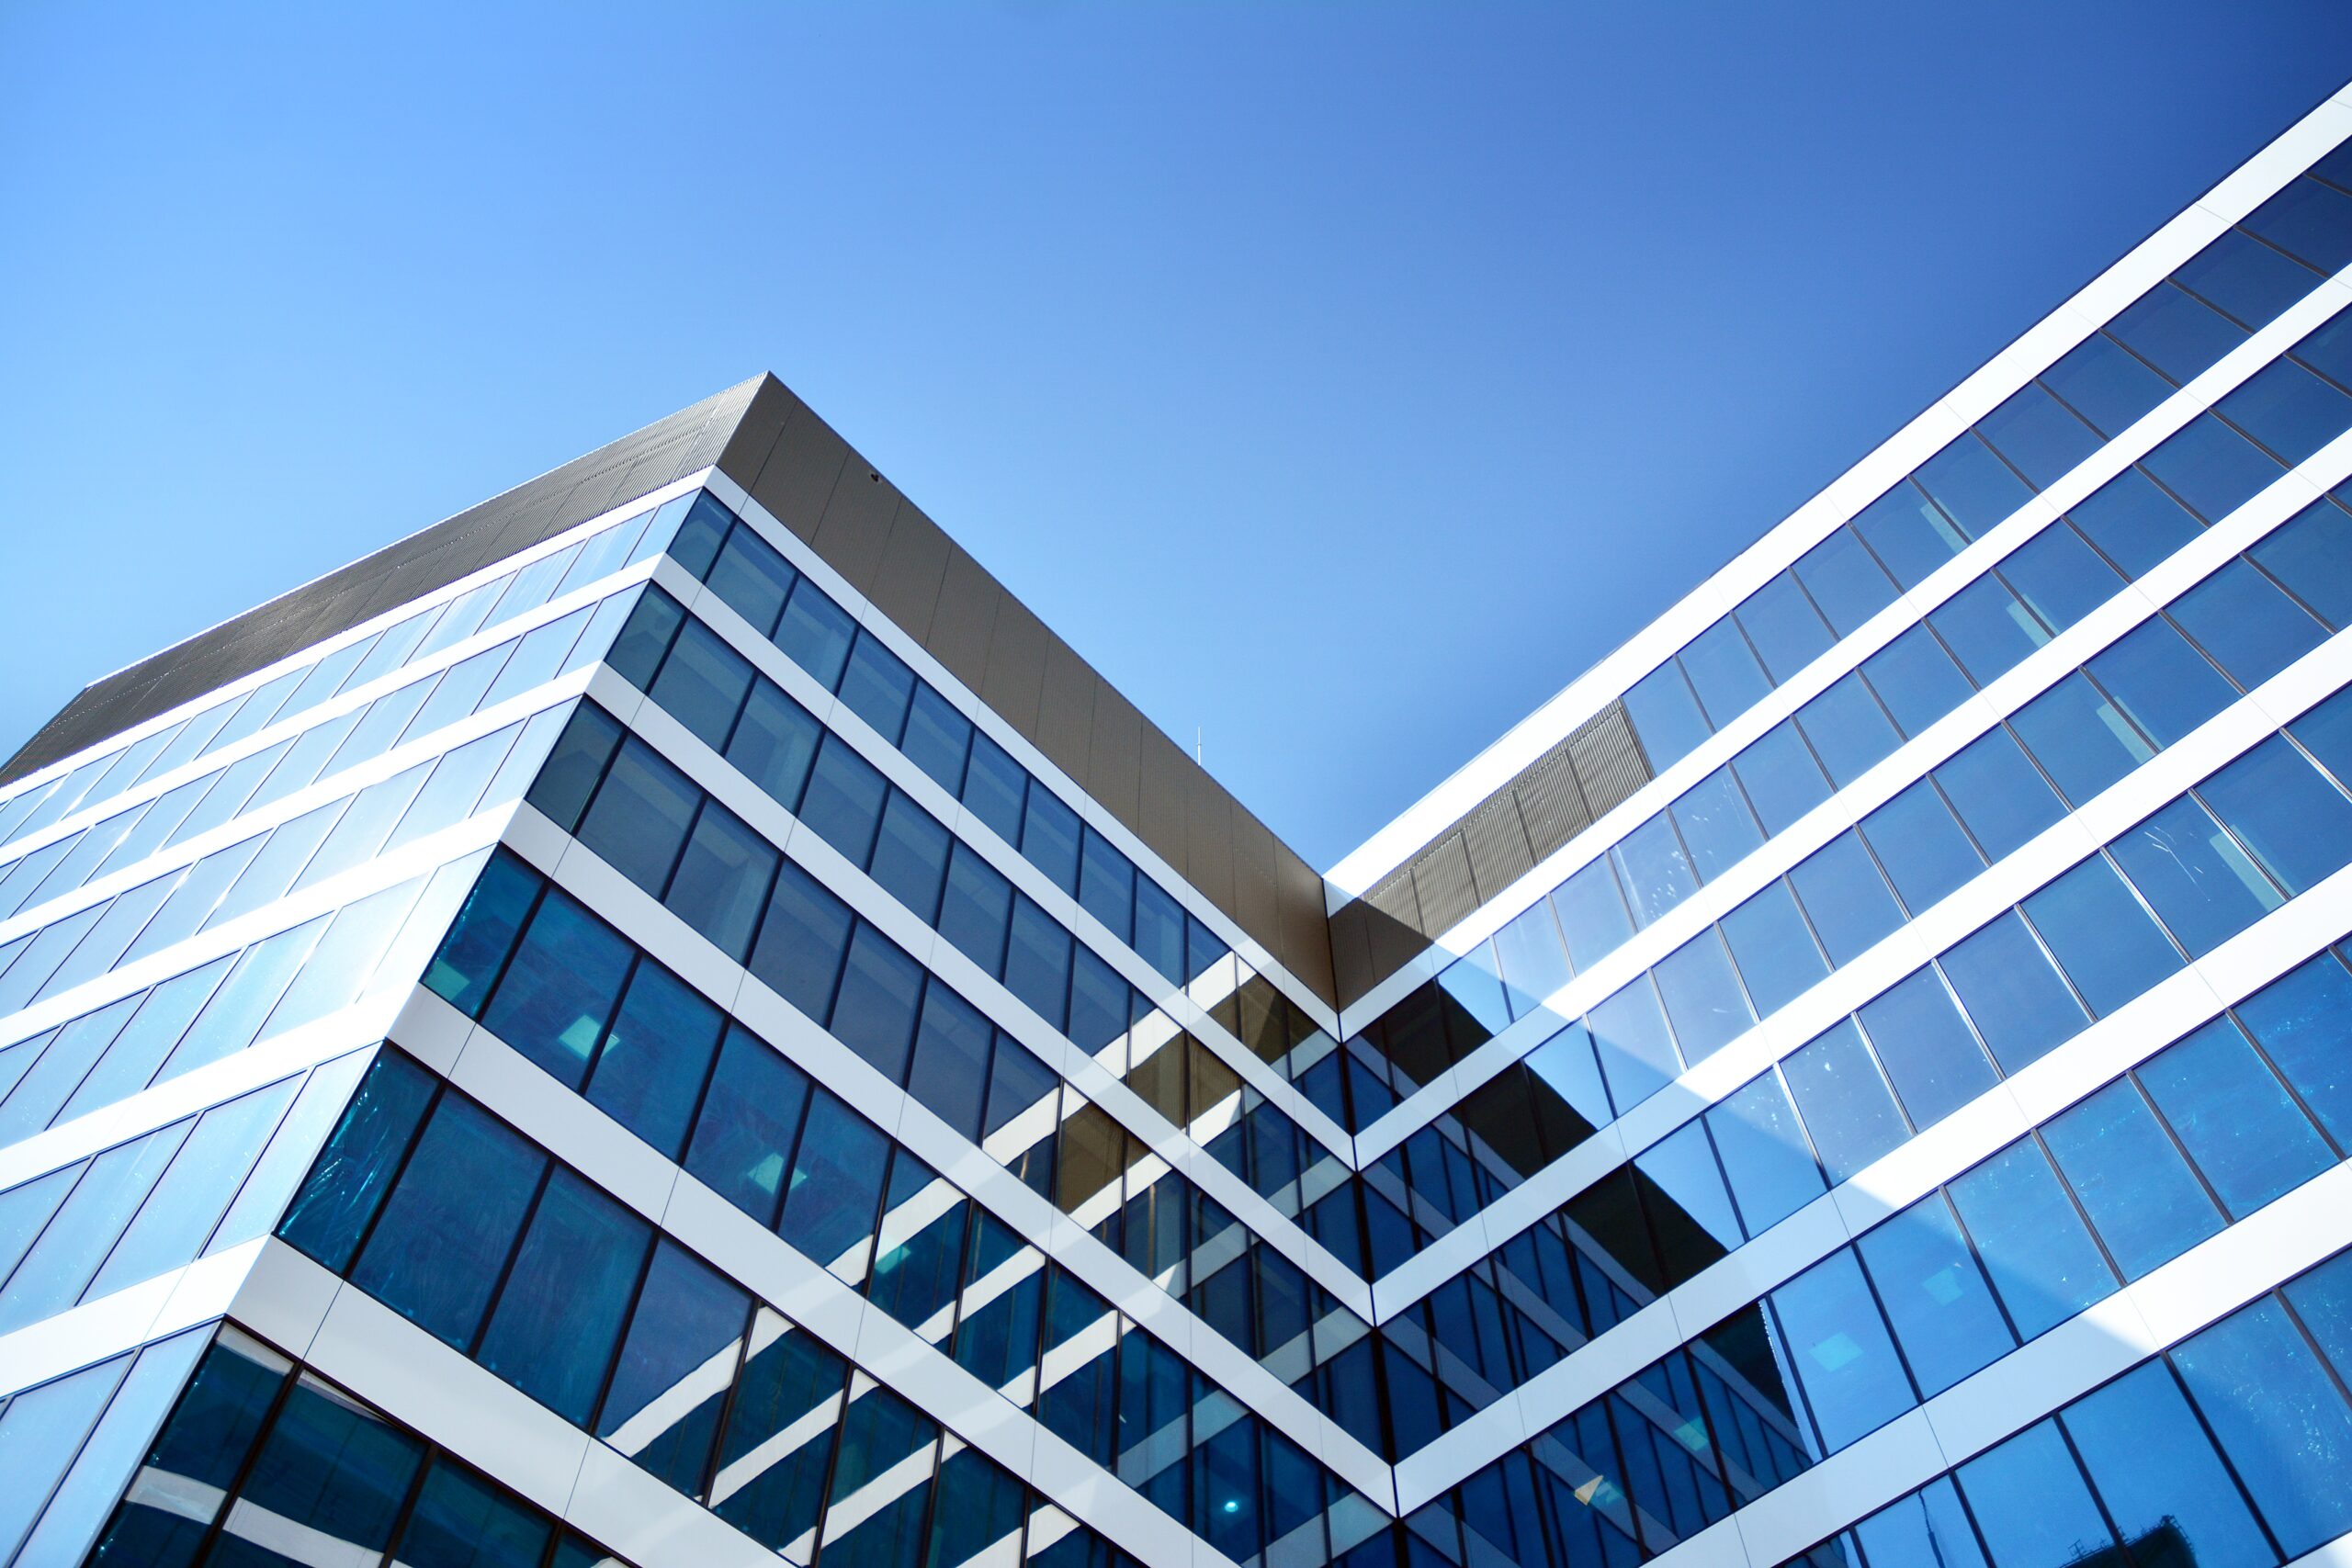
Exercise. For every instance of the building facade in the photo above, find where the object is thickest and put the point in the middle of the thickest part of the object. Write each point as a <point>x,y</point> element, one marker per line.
<point>667,1020</point>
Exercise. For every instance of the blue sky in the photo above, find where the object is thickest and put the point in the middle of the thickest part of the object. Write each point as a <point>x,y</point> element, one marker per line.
<point>1340,379</point>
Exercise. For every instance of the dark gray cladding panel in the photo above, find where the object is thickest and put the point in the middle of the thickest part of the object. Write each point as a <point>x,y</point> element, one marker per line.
<point>688,440</point>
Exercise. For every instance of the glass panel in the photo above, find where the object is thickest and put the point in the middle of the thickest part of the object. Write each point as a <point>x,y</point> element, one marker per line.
<point>1935,1295</point>
<point>675,1368</point>
<point>2210,468</point>
<point>1765,1155</point>
<point>1787,631</point>
<point>2146,1203</point>
<point>2156,1472</point>
<point>773,744</point>
<point>1998,794</point>
<point>562,1304</point>
<point>2134,523</point>
<point>2298,825</point>
<point>1975,489</point>
<point>878,686</point>
<point>2061,578</point>
<point>1703,997</point>
<point>815,634</point>
<point>1592,914</point>
<point>1921,846</point>
<point>1845,898</point>
<point>1629,1033</point>
<point>1717,827</point>
<point>1909,532</point>
<point>2165,685</point>
<point>845,800</point>
<point>2304,1024</point>
<point>1780,777</point>
<point>1845,1102</point>
<point>2313,556</point>
<point>639,820</point>
<point>1925,1047</point>
<point>2101,937</point>
<point>2040,435</point>
<point>2080,737</point>
<point>1915,679</point>
<point>1656,873</point>
<point>1723,672</point>
<point>1848,586</point>
<point>2033,1243</point>
<point>340,1197</point>
<point>2278,1417</point>
<point>722,879</point>
<point>561,987</point>
<point>2242,1131</point>
<point>702,684</point>
<point>2176,332</point>
<point>743,1135</point>
<point>1847,729</point>
<point>2245,625</point>
<point>1666,715</point>
<point>1774,948</point>
<point>2201,882</point>
<point>652,1067</point>
<point>447,1228</point>
<point>1852,1379</point>
<point>1987,629</point>
<point>875,1014</point>
<point>2032,1504</point>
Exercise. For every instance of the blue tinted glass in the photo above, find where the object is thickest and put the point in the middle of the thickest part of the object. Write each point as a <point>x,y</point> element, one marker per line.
<point>2156,1470</point>
<point>845,800</point>
<point>2032,1506</point>
<point>2060,576</point>
<point>802,940</point>
<point>1629,1033</point>
<point>1566,1064</point>
<point>994,786</point>
<point>2323,1299</point>
<point>1975,489</point>
<point>556,995</point>
<point>937,738</point>
<point>702,684</point>
<point>722,879</point>
<point>2000,797</point>
<point>2175,332</point>
<point>2203,885</point>
<point>2245,625</point>
<point>2039,434</point>
<point>1049,837</point>
<point>2245,278</point>
<point>951,1061</point>
<point>2210,468</point>
<point>2311,554</point>
<point>2043,1263</point>
<point>975,908</point>
<point>744,1133</point>
<point>1925,1047</point>
<point>1534,963</point>
<point>651,1068</point>
<point>1723,672</point>
<point>1666,715</point>
<point>752,579</point>
<point>1928,1527</point>
<point>2234,1118</point>
<point>773,743</point>
<point>1773,947</point>
<point>1780,777</point>
<point>1703,1000</point>
<point>2100,935</point>
<point>2326,733</point>
<point>1843,1100</point>
<point>2164,685</point>
<point>1845,897</point>
<point>1847,583</point>
<point>2278,1417</point>
<point>1987,628</point>
<point>1915,679</point>
<point>2012,992</point>
<point>1160,929</point>
<point>1107,885</point>
<point>1036,962</point>
<point>2134,524</point>
<point>1910,537</point>
<point>639,820</point>
<point>835,1188</point>
<point>1683,1165</point>
<point>1787,631</point>
<point>2289,410</point>
<point>875,1014</point>
<point>911,856</point>
<point>1921,845</point>
<point>687,1317</point>
<point>1839,1342</point>
<point>2080,737</point>
<point>1717,827</point>
<point>341,1195</point>
<point>1847,729</point>
<point>878,686</point>
<point>1765,1154</point>
<point>1656,872</point>
<point>2304,1023</point>
<point>2106,384</point>
<point>445,1232</point>
<point>2140,1195</point>
<point>1592,914</point>
<point>563,1302</point>
<point>2327,349</point>
<point>815,634</point>
<point>1935,1295</point>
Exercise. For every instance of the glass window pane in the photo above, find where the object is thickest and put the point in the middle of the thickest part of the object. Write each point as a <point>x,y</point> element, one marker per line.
<point>1703,997</point>
<point>2289,410</point>
<point>2157,1473</point>
<point>1787,631</point>
<point>556,995</point>
<point>329,1466</point>
<point>1847,729</point>
<point>1629,1033</point>
<point>751,577</point>
<point>1656,872</point>
<point>1910,536</point>
<point>1975,489</point>
<point>1925,1047</point>
<point>460,1522</point>
<point>1049,837</point>
<point>1780,777</point>
<point>2175,332</point>
<point>1717,827</point>
<point>801,941</point>
<point>1851,1377</point>
<point>2032,1504</point>
<point>2139,1192</point>
<point>875,1014</point>
<point>2012,992</point>
<point>1935,1295</point>
<point>651,1067</point>
<point>743,1135</point>
<point>774,744</point>
<point>2279,1419</point>
<point>2101,936</point>
<point>675,1368</point>
<point>975,908</point>
<point>2031,1239</point>
<point>639,820</point>
<point>1845,897</point>
<point>2165,685</point>
<point>2234,1118</point>
<point>2241,276</point>
<point>702,684</point>
<point>1535,961</point>
<point>645,637</point>
<point>2134,523</point>
<point>835,1190</point>
<point>1592,914</point>
<point>994,787</point>
<point>563,1305</point>
<point>1723,672</point>
<point>2210,468</point>
<point>1847,585</point>
<point>1106,884</point>
<point>2001,797</point>
<point>2311,554</point>
<point>1845,1102</point>
<point>2060,576</point>
<point>1928,1527</point>
<point>1921,846</point>
<point>722,879</point>
<point>2303,1022</point>
<point>2203,885</point>
<point>951,1060</point>
<point>1987,628</point>
<point>2309,221</point>
<point>878,686</point>
<point>1036,962</point>
<point>2080,737</point>
<point>1666,717</point>
<point>1773,947</point>
<point>937,737</point>
<point>911,856</point>
<point>2245,625</point>
<point>1915,679</point>
<point>815,634</point>
<point>1765,1155</point>
<point>2039,434</point>
<point>447,1228</point>
<point>340,1197</point>
<point>845,800</point>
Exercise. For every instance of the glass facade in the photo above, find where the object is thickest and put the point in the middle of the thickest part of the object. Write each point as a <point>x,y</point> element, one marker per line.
<point>635,1049</point>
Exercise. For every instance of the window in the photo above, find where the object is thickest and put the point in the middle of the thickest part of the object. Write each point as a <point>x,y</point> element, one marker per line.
<point>653,1062</point>
<point>1935,1295</point>
<point>639,819</point>
<point>1636,1051</point>
<point>2279,1419</point>
<point>447,1228</point>
<point>1853,1381</point>
<point>2297,823</point>
<point>2166,686</point>
<point>702,684</point>
<point>2142,1196</point>
<point>2060,576</point>
<point>878,686</point>
<point>2043,1262</point>
<point>2039,434</point>
<point>1847,585</point>
<point>2312,555</point>
<point>1787,631</point>
<point>2245,625</point>
<point>845,800</point>
<point>2100,935</point>
<point>2210,468</point>
<point>1921,847</point>
<point>2289,410</point>
<point>2032,1504</point>
<point>2155,1469</point>
<point>1975,489</point>
<point>2134,523</point>
<point>815,634</point>
<point>744,1133</point>
<point>1765,1155</point>
<point>2080,737</point>
<point>1773,947</point>
<point>875,1014</point>
<point>687,1317</point>
<point>2201,882</point>
<point>775,744</point>
<point>1717,827</point>
<point>1997,794</point>
<point>2175,332</point>
<point>1988,629</point>
<point>911,856</point>
<point>1780,777</point>
<point>1908,534</point>
<point>1723,672</point>
<point>801,941</point>
<point>1703,995</point>
<point>937,737</point>
<point>563,1305</point>
<point>1845,1102</point>
<point>1656,873</point>
<point>1915,679</point>
<point>751,577</point>
<point>1592,914</point>
<point>722,879</point>
<point>2234,1116</point>
<point>1847,729</point>
<point>1845,897</point>
<point>975,908</point>
<point>559,989</point>
<point>1925,1047</point>
<point>1665,715</point>
<point>2011,991</point>
<point>1050,840</point>
<point>2304,1024</point>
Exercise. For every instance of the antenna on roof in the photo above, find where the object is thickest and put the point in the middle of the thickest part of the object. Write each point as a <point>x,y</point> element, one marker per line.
<point>1196,743</point>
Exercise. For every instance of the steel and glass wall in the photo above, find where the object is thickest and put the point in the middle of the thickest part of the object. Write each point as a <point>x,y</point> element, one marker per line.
<point>627,1057</point>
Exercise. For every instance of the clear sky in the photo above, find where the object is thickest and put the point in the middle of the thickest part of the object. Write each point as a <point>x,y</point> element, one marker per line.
<point>1340,379</point>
